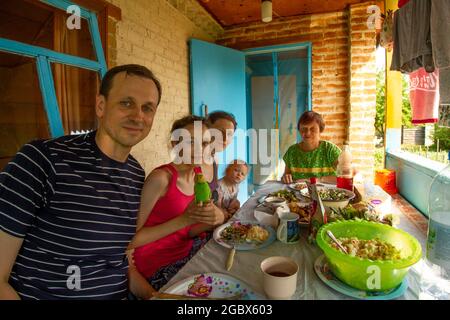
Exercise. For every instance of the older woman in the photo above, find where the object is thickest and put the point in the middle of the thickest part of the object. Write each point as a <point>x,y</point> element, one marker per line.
<point>311,157</point>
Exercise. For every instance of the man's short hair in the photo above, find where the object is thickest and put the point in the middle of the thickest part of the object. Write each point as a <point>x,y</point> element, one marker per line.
<point>129,69</point>
<point>311,116</point>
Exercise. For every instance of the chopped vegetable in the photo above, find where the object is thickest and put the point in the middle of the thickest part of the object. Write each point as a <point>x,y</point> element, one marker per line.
<point>286,194</point>
<point>360,211</point>
<point>332,194</point>
<point>375,249</point>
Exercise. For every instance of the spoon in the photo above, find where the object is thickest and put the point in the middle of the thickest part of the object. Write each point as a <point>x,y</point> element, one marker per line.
<point>331,235</point>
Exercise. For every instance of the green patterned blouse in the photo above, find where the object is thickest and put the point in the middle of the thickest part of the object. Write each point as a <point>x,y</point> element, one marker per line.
<point>316,163</point>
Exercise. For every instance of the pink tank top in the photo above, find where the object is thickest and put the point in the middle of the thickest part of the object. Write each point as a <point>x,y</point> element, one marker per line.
<point>152,256</point>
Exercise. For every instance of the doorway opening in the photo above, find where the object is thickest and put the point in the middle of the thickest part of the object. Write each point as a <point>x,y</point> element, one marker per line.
<point>278,92</point>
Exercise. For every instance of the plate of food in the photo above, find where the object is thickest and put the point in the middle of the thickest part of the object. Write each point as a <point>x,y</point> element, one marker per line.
<point>244,235</point>
<point>287,195</point>
<point>213,286</point>
<point>298,186</point>
<point>304,210</point>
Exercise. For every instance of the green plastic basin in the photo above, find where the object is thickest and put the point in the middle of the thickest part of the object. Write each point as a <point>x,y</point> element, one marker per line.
<point>365,274</point>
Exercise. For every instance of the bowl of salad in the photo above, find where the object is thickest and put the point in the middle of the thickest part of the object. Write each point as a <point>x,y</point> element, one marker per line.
<point>332,197</point>
<point>377,256</point>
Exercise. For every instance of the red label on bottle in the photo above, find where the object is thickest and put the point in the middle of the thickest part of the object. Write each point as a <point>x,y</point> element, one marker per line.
<point>345,183</point>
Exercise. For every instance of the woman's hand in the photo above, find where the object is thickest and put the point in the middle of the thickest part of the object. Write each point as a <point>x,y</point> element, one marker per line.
<point>208,213</point>
<point>287,178</point>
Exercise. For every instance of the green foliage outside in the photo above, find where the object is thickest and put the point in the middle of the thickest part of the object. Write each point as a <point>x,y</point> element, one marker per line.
<point>439,133</point>
<point>379,158</point>
<point>443,135</point>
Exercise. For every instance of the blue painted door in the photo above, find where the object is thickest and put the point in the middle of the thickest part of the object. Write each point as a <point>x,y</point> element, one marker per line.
<point>218,81</point>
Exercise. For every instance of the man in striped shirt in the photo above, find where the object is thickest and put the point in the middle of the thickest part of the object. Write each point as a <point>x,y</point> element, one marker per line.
<point>68,206</point>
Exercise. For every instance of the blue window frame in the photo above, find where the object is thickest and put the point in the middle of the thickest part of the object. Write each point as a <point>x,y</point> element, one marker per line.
<point>44,58</point>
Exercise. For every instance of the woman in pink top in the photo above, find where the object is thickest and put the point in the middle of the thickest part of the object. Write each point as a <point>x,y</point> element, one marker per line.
<point>170,224</point>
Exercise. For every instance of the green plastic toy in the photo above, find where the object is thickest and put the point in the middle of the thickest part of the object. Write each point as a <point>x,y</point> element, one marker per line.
<point>201,189</point>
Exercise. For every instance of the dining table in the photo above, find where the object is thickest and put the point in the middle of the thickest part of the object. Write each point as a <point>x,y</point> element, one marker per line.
<point>212,257</point>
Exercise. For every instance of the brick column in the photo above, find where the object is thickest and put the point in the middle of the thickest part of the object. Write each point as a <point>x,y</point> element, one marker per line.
<point>362,98</point>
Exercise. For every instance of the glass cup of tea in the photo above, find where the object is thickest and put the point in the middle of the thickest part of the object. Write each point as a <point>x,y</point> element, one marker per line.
<point>279,277</point>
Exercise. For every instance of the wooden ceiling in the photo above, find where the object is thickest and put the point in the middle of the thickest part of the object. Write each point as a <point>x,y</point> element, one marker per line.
<point>233,12</point>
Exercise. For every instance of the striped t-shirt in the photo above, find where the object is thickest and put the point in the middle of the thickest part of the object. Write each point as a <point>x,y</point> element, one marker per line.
<point>76,210</point>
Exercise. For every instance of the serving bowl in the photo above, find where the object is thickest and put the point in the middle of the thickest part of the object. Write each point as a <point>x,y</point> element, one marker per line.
<point>362,273</point>
<point>349,195</point>
<point>275,202</point>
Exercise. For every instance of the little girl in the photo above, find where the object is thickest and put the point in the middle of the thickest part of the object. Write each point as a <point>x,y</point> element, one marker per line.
<point>228,186</point>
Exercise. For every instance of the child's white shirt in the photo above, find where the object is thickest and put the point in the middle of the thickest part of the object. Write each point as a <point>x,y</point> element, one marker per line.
<point>225,194</point>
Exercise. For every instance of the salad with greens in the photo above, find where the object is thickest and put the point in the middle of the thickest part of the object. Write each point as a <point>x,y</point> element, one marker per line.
<point>360,211</point>
<point>332,194</point>
<point>374,249</point>
<point>289,196</point>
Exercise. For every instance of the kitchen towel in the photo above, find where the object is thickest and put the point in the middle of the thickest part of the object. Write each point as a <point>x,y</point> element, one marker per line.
<point>424,96</point>
<point>440,39</point>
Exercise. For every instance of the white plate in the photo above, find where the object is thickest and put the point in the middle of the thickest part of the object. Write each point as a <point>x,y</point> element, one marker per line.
<point>246,245</point>
<point>263,198</point>
<point>213,285</point>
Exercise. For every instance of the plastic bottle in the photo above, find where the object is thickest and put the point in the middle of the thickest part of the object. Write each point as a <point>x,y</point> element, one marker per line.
<point>435,277</point>
<point>344,169</point>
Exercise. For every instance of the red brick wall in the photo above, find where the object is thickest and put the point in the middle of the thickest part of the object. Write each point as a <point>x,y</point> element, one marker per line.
<point>343,70</point>
<point>362,96</point>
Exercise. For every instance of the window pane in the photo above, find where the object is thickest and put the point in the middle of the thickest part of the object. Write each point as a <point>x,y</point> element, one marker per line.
<point>27,22</point>
<point>76,90</point>
<point>22,116</point>
<point>75,42</point>
<point>44,26</point>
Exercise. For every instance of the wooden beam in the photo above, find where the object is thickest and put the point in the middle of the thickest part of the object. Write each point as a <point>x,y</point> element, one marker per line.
<point>101,5</point>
